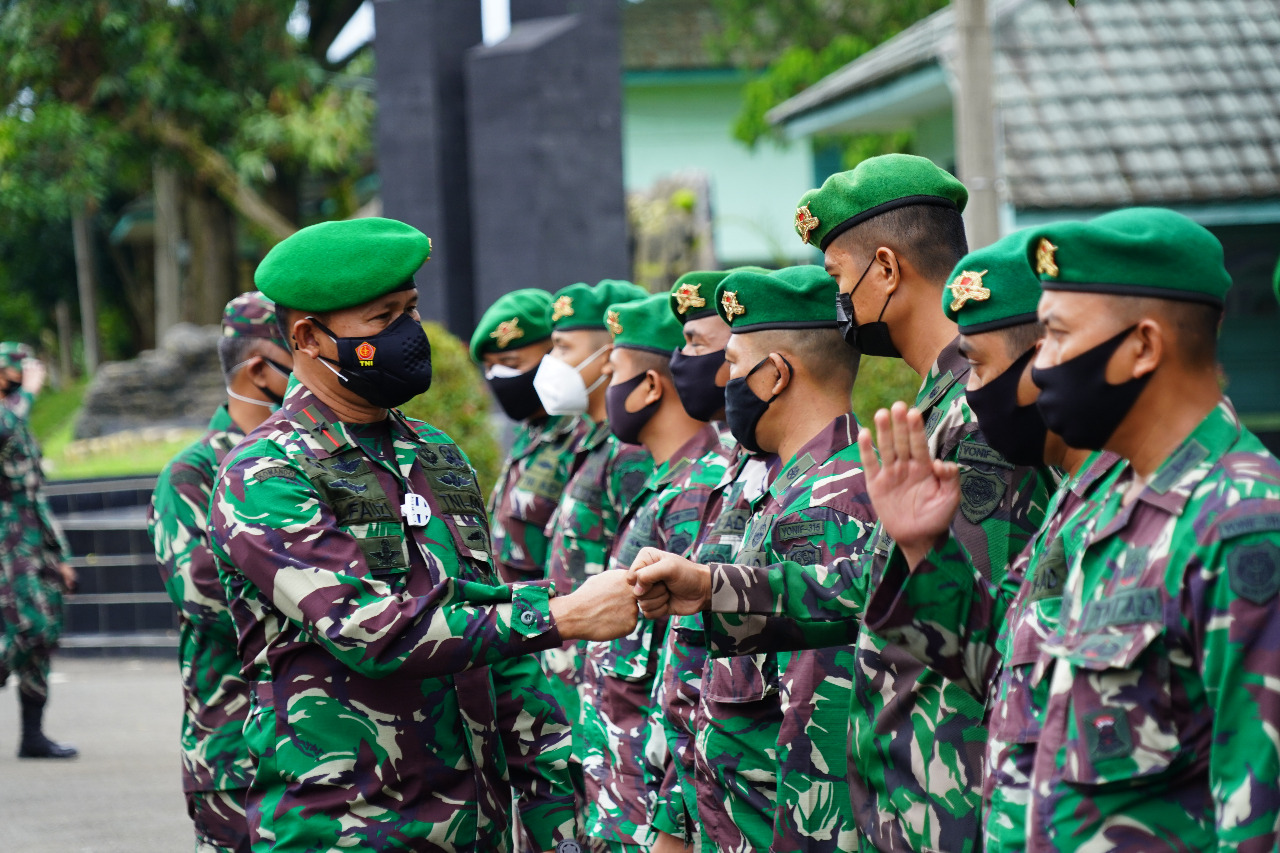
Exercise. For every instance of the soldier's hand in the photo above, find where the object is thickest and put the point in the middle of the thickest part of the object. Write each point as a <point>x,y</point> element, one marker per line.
<point>33,375</point>
<point>915,495</point>
<point>69,576</point>
<point>668,585</point>
<point>602,608</point>
<point>669,844</point>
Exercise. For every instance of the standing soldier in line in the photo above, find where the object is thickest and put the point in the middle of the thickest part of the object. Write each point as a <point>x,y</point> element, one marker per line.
<point>510,342</point>
<point>891,232</point>
<point>216,766</point>
<point>622,763</point>
<point>607,475</point>
<point>353,545</point>
<point>1159,728</point>
<point>986,637</point>
<point>33,554</point>
<point>790,394</point>
<point>699,373</point>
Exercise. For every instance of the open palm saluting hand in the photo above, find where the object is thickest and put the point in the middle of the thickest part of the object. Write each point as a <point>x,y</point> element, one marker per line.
<point>915,495</point>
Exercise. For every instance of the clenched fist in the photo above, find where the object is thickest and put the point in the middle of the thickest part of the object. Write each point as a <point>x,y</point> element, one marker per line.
<point>603,608</point>
<point>667,585</point>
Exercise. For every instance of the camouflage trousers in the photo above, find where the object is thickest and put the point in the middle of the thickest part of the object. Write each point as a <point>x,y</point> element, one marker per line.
<point>220,820</point>
<point>32,614</point>
<point>736,773</point>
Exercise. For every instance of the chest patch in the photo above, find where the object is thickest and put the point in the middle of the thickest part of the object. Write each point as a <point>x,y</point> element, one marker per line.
<point>980,494</point>
<point>1254,572</point>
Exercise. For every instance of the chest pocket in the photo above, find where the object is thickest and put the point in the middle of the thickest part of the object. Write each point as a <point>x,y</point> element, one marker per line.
<point>543,478</point>
<point>352,492</point>
<point>1122,724</point>
<point>640,533</point>
<point>453,485</point>
<point>755,543</point>
<point>742,679</point>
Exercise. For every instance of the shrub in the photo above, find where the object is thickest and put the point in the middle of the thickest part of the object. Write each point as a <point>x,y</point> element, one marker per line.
<point>458,403</point>
<point>882,382</point>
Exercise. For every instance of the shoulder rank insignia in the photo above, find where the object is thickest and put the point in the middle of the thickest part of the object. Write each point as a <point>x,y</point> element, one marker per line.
<point>562,307</point>
<point>507,332</point>
<point>732,307</point>
<point>968,285</point>
<point>611,320</point>
<point>687,297</point>
<point>1045,263</point>
<point>805,223</point>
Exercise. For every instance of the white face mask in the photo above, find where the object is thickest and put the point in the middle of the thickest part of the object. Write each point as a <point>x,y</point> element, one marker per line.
<point>560,387</point>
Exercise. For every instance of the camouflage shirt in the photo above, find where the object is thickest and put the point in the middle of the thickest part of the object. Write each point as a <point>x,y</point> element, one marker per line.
<point>30,539</point>
<point>917,739</point>
<point>987,638</point>
<point>620,755</point>
<point>1161,726</point>
<point>390,704</point>
<point>529,489</point>
<point>607,476</point>
<point>215,695</point>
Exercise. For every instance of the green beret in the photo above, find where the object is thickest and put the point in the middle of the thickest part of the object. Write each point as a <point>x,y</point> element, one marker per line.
<point>1139,251</point>
<point>515,320</point>
<point>252,315</point>
<point>336,265</point>
<point>13,353</point>
<point>802,297</point>
<point>645,324</point>
<point>874,186</point>
<point>994,287</point>
<point>582,306</point>
<point>691,295</point>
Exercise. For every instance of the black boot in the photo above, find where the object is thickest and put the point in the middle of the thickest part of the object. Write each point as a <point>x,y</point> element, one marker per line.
<point>34,743</point>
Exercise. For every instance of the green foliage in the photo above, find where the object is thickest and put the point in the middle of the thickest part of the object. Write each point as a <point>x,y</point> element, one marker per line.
<point>458,403</point>
<point>55,410</point>
<point>798,42</point>
<point>881,383</point>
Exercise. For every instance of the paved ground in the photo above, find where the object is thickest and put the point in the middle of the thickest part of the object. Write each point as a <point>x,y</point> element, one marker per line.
<point>123,793</point>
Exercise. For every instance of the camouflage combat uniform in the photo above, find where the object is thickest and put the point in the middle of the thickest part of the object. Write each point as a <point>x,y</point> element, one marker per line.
<point>1160,729</point>
<point>987,638</point>
<point>31,547</point>
<point>390,707</point>
<point>917,740</point>
<point>216,766</point>
<point>619,675</point>
<point>529,488</point>
<point>683,802</point>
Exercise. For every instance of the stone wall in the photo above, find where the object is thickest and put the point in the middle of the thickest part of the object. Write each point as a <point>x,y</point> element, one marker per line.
<point>177,385</point>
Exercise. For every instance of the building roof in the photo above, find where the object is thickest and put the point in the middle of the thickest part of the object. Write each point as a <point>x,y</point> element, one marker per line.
<point>667,35</point>
<point>1106,104</point>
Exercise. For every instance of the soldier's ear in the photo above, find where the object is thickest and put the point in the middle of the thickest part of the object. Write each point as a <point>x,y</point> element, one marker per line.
<point>653,391</point>
<point>1152,341</point>
<point>784,374</point>
<point>887,266</point>
<point>306,337</point>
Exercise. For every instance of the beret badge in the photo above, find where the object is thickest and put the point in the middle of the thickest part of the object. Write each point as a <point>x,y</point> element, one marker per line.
<point>732,307</point>
<point>1046,264</point>
<point>968,286</point>
<point>507,331</point>
<point>563,307</point>
<point>611,320</point>
<point>687,296</point>
<point>805,223</point>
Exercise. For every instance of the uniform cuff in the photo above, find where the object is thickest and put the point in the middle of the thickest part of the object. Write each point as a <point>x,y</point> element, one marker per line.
<point>531,608</point>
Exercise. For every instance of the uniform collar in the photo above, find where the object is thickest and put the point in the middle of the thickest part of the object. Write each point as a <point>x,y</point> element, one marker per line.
<point>836,436</point>
<point>222,422</point>
<point>1171,484</point>
<point>949,368</point>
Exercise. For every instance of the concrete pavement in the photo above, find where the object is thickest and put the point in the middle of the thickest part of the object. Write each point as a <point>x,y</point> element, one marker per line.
<point>124,792</point>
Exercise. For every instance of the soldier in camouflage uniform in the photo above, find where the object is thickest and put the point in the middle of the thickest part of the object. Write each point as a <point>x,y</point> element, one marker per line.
<point>606,475</point>
<point>699,373</point>
<point>387,709</point>
<point>216,766</point>
<point>790,393</point>
<point>510,342</point>
<point>622,761</point>
<point>1157,730</point>
<point>892,233</point>
<point>982,636</point>
<point>34,568</point>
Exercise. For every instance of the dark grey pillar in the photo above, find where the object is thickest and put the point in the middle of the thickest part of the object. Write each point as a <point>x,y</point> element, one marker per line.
<point>422,147</point>
<point>545,108</point>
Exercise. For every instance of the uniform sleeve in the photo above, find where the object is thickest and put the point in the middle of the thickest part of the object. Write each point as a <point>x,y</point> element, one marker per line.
<point>1230,600</point>
<point>273,530</point>
<point>537,742</point>
<point>178,524</point>
<point>945,614</point>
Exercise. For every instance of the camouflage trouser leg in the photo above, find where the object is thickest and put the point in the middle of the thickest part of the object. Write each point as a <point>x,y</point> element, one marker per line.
<point>220,821</point>
<point>38,611</point>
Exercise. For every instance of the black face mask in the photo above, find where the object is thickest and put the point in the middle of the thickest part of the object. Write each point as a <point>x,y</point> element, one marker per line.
<point>516,394</point>
<point>867,338</point>
<point>283,371</point>
<point>8,387</point>
<point>743,409</point>
<point>1016,432</point>
<point>695,381</point>
<point>626,425</point>
<point>1079,404</point>
<point>388,369</point>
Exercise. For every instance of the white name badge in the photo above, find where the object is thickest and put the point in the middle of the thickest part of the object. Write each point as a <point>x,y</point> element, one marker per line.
<point>416,510</point>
